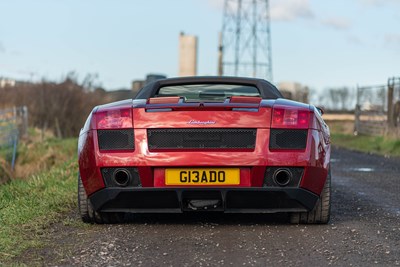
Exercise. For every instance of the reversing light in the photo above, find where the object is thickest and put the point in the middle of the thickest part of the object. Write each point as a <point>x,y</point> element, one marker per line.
<point>112,119</point>
<point>289,118</point>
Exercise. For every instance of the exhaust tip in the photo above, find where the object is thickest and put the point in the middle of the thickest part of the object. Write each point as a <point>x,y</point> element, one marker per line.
<point>121,177</point>
<point>282,177</point>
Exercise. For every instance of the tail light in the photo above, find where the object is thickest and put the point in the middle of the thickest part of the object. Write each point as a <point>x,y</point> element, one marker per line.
<point>114,119</point>
<point>290,118</point>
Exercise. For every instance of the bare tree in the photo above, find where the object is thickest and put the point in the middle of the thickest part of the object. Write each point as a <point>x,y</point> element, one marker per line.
<point>334,98</point>
<point>59,107</point>
<point>341,98</point>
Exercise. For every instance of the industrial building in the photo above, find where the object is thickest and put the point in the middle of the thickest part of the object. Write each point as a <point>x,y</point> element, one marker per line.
<point>187,55</point>
<point>294,91</point>
<point>152,77</point>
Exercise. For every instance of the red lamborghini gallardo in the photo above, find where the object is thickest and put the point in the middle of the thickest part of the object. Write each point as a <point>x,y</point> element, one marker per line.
<point>219,144</point>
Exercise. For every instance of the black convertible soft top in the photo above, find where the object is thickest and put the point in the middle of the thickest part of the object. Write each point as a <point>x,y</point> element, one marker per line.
<point>267,90</point>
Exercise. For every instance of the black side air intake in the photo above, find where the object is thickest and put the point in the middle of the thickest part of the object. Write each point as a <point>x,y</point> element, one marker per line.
<point>116,139</point>
<point>288,139</point>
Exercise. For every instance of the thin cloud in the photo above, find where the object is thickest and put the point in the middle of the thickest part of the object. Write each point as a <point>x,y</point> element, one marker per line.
<point>289,10</point>
<point>377,3</point>
<point>353,39</point>
<point>280,10</point>
<point>372,2</point>
<point>392,40</point>
<point>216,4</point>
<point>337,23</point>
<point>2,48</point>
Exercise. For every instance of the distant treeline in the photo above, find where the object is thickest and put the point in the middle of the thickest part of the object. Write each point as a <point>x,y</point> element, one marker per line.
<point>59,107</point>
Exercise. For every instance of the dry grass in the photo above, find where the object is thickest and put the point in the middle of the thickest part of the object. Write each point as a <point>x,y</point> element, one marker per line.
<point>5,171</point>
<point>343,127</point>
<point>40,152</point>
<point>342,135</point>
<point>339,117</point>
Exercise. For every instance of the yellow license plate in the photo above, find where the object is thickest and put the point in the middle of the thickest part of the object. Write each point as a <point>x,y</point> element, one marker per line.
<point>204,176</point>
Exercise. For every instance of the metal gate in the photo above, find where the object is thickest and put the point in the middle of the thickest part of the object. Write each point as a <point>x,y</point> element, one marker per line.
<point>378,109</point>
<point>13,124</point>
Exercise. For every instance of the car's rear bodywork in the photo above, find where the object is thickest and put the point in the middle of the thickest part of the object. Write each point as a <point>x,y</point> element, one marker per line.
<point>242,153</point>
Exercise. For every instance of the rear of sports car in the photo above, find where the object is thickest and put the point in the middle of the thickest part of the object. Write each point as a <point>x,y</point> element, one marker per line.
<point>185,151</point>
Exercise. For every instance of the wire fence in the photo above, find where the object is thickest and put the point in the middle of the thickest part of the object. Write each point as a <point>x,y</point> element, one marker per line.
<point>13,125</point>
<point>378,109</point>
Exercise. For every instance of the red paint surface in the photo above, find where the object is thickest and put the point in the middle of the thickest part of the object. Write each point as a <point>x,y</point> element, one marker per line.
<point>151,164</point>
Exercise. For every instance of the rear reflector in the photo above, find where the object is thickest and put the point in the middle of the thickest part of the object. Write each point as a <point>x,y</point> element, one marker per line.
<point>290,118</point>
<point>118,118</point>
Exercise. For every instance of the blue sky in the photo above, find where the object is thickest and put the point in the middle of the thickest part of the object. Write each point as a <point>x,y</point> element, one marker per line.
<point>320,43</point>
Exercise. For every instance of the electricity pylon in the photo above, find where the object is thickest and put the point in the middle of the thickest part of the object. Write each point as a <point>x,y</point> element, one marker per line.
<point>245,42</point>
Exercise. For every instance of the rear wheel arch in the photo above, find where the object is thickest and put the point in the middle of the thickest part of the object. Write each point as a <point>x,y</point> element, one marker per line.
<point>320,214</point>
<point>88,215</point>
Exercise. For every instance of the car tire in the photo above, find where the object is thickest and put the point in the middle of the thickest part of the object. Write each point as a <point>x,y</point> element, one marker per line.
<point>322,210</point>
<point>88,215</point>
<point>83,202</point>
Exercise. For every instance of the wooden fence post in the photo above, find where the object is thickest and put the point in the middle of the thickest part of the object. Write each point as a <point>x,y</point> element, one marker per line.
<point>25,121</point>
<point>357,113</point>
<point>390,102</point>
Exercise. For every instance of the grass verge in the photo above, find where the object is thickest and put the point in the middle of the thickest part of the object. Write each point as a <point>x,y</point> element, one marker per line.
<point>342,136</point>
<point>36,156</point>
<point>370,144</point>
<point>28,206</point>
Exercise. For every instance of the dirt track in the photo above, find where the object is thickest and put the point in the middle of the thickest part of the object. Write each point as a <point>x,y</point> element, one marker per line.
<point>364,230</point>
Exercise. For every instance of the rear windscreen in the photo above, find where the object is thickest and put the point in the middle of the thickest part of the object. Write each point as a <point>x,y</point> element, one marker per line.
<point>208,92</point>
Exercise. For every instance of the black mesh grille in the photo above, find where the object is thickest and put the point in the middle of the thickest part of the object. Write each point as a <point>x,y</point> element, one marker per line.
<point>116,139</point>
<point>288,139</point>
<point>201,138</point>
<point>296,174</point>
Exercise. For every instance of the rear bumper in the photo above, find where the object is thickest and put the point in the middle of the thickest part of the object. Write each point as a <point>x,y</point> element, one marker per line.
<point>231,200</point>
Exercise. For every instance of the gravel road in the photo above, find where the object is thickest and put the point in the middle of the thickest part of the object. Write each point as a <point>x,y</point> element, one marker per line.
<point>364,230</point>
